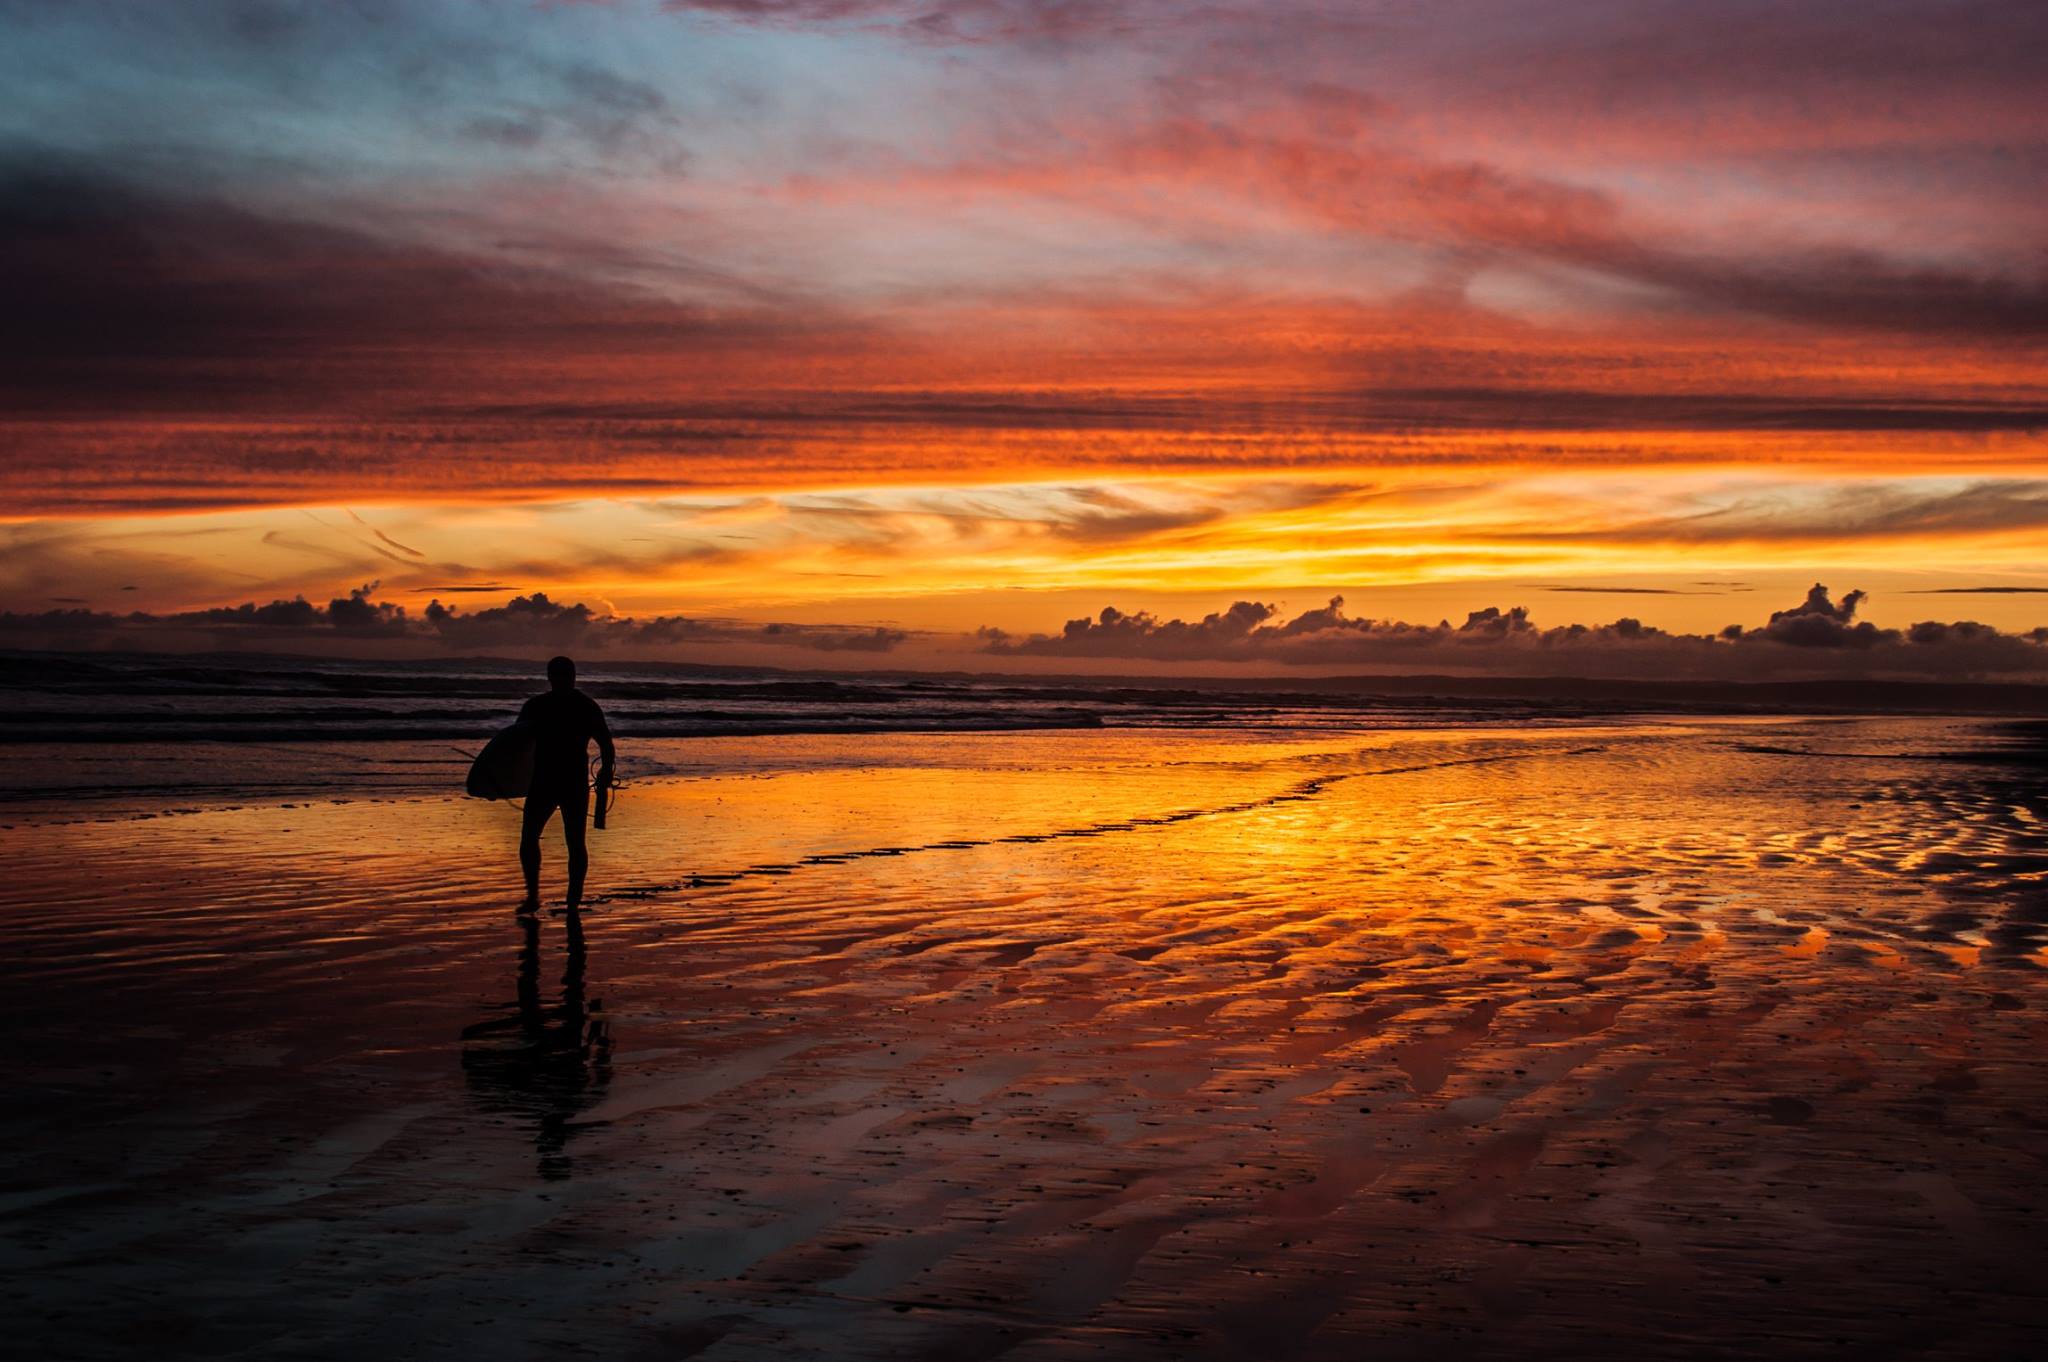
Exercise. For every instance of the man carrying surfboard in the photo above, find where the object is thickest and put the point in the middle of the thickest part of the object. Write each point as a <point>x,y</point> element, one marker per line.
<point>562,723</point>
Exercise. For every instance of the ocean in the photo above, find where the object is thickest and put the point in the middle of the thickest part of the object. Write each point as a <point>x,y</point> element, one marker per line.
<point>109,734</point>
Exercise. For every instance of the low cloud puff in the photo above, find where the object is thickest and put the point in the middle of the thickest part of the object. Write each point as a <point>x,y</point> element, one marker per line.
<point>1820,636</point>
<point>524,624</point>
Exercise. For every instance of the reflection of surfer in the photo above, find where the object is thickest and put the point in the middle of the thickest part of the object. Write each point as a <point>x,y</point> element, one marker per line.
<point>545,1063</point>
<point>562,723</point>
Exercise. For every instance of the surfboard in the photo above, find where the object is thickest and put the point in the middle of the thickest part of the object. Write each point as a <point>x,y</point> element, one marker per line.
<point>504,769</point>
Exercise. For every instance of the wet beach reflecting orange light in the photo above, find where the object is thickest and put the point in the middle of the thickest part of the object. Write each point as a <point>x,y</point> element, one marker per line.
<point>1178,1039</point>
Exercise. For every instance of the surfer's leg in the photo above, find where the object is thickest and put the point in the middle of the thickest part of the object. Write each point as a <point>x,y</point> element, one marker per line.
<point>535,817</point>
<point>575,807</point>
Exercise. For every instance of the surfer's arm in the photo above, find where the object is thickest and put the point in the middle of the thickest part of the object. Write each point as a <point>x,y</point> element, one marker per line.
<point>603,733</point>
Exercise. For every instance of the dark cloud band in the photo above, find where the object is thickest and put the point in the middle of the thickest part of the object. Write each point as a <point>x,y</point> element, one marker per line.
<point>1817,637</point>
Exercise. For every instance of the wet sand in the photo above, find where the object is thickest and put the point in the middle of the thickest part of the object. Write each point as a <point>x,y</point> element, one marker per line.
<point>1706,1039</point>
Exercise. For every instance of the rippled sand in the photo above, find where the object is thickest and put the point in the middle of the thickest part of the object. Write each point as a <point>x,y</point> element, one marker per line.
<point>1653,1040</point>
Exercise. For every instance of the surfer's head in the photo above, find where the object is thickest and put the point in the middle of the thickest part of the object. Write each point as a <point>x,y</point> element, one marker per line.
<point>561,673</point>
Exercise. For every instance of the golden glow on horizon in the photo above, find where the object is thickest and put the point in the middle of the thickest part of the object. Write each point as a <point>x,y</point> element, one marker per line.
<point>940,553</point>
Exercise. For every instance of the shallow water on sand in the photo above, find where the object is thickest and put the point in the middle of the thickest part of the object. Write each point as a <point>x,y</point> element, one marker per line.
<point>1684,1039</point>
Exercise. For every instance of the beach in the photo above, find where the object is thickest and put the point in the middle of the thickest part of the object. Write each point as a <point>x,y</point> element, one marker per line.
<point>1667,1036</point>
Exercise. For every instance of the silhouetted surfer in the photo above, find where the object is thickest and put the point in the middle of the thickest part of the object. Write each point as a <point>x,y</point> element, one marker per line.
<point>563,721</point>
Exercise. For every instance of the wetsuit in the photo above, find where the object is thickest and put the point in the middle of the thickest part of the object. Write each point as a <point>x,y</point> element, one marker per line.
<point>564,722</point>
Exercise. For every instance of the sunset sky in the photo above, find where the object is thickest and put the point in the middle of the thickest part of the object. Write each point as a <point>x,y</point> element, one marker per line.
<point>924,328</point>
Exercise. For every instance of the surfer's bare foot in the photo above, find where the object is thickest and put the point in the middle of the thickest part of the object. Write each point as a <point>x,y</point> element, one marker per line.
<point>529,905</point>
